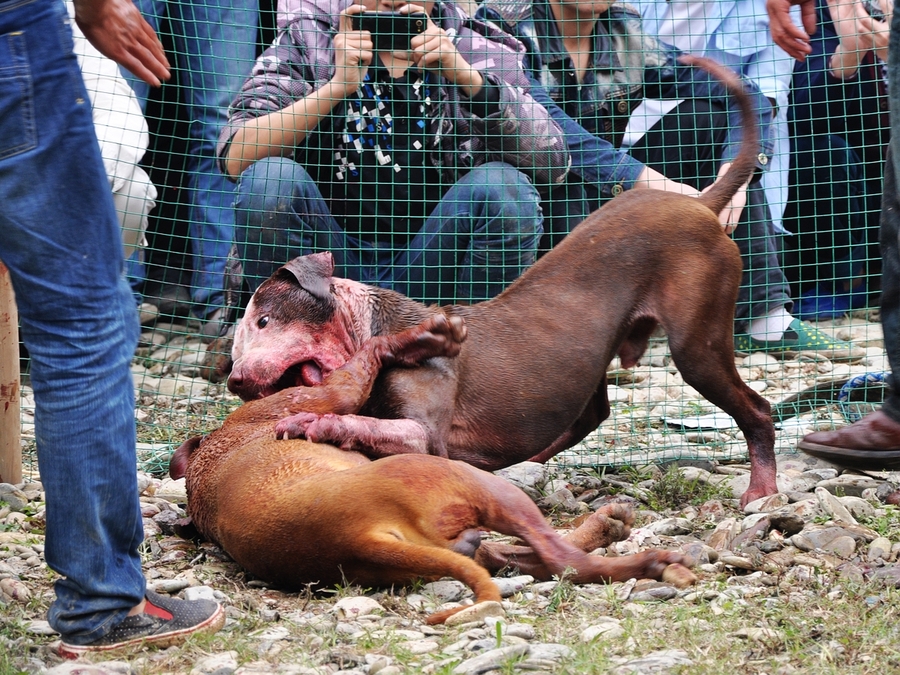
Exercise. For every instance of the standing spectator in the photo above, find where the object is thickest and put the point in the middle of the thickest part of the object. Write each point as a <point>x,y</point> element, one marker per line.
<point>215,44</point>
<point>419,169</point>
<point>873,442</point>
<point>839,135</point>
<point>60,239</point>
<point>123,135</point>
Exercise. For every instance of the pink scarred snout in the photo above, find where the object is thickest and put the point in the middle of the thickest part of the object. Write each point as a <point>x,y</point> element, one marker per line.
<point>293,332</point>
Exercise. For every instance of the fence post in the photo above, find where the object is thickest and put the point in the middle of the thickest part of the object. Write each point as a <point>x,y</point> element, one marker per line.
<point>10,421</point>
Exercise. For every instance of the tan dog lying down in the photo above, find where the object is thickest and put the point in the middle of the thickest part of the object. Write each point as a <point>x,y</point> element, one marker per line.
<point>294,512</point>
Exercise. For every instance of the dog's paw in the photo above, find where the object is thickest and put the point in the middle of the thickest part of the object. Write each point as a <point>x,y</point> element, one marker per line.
<point>679,576</point>
<point>660,564</point>
<point>755,491</point>
<point>438,335</point>
<point>619,511</point>
<point>295,426</point>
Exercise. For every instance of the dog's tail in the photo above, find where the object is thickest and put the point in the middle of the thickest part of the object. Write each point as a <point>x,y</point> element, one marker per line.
<point>718,196</point>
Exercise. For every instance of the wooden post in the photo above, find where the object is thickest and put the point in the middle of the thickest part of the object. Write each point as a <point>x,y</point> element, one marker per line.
<point>10,421</point>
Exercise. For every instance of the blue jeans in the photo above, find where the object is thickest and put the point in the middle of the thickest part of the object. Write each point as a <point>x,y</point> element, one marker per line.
<point>60,239</point>
<point>482,235</point>
<point>215,47</point>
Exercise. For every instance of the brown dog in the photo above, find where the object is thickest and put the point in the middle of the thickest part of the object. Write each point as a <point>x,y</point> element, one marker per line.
<point>531,379</point>
<point>295,512</point>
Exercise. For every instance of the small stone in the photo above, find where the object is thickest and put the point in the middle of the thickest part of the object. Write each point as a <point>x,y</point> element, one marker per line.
<point>833,507</point>
<point>786,521</point>
<point>354,607</point>
<point>848,484</point>
<point>605,627</point>
<point>545,656</point>
<point>520,630</point>
<point>889,575</point>
<point>725,531</point>
<point>737,561</point>
<point>446,590</point>
<point>654,594</point>
<point>168,586</point>
<point>561,500</point>
<point>421,646</point>
<point>880,549</point>
<point>199,593</point>
<point>530,477</point>
<point>656,662</point>
<point>38,627</point>
<point>476,613</point>
<point>767,504</point>
<point>858,507</point>
<point>13,496</point>
<point>509,586</point>
<point>218,664</point>
<point>843,546</point>
<point>491,660</point>
<point>15,590</point>
<point>757,634</point>
<point>670,527</point>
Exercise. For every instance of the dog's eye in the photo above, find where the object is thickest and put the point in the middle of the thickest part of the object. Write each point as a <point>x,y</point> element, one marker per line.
<point>262,322</point>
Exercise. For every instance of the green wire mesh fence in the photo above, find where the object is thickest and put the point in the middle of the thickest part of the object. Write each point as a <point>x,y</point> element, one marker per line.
<point>386,152</point>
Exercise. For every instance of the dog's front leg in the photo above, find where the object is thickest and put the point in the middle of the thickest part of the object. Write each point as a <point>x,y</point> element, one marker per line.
<point>370,436</point>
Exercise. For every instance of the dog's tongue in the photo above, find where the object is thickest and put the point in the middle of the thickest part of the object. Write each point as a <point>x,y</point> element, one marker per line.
<point>310,374</point>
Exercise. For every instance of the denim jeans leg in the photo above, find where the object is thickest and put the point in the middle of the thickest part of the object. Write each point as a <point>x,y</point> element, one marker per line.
<point>216,45</point>
<point>279,215</point>
<point>60,239</point>
<point>484,233</point>
<point>764,286</point>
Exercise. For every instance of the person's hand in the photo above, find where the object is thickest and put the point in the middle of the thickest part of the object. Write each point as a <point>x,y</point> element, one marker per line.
<point>731,214</point>
<point>434,50</point>
<point>859,34</point>
<point>353,52</point>
<point>786,34</point>
<point>118,31</point>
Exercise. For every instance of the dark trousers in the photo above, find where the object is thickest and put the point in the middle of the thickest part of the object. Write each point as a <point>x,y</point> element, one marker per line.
<point>826,213</point>
<point>890,282</point>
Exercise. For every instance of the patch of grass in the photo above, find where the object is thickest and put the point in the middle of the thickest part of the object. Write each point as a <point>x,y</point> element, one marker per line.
<point>564,593</point>
<point>887,525</point>
<point>673,491</point>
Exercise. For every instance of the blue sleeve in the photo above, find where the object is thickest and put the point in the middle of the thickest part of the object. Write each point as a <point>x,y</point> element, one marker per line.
<point>593,159</point>
<point>678,81</point>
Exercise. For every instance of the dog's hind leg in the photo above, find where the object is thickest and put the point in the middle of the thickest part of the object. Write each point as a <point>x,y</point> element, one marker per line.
<point>603,527</point>
<point>506,509</point>
<point>387,559</point>
<point>702,346</point>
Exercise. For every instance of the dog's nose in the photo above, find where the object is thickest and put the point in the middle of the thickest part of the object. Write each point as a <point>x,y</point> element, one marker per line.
<point>235,382</point>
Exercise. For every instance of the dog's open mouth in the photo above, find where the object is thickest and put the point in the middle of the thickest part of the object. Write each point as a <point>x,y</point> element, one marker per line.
<point>304,374</point>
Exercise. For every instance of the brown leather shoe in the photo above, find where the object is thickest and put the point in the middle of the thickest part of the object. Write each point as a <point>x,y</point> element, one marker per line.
<point>870,444</point>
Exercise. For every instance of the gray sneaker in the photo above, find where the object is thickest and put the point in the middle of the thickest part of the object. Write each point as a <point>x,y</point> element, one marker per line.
<point>164,622</point>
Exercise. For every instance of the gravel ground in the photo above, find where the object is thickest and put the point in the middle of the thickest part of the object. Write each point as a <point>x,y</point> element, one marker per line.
<point>804,581</point>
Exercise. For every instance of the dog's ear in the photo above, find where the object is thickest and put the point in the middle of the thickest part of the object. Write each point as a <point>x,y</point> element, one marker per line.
<point>313,273</point>
<point>182,457</point>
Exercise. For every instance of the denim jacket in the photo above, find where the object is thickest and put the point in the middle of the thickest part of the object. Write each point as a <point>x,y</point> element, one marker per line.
<point>627,66</point>
<point>512,127</point>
